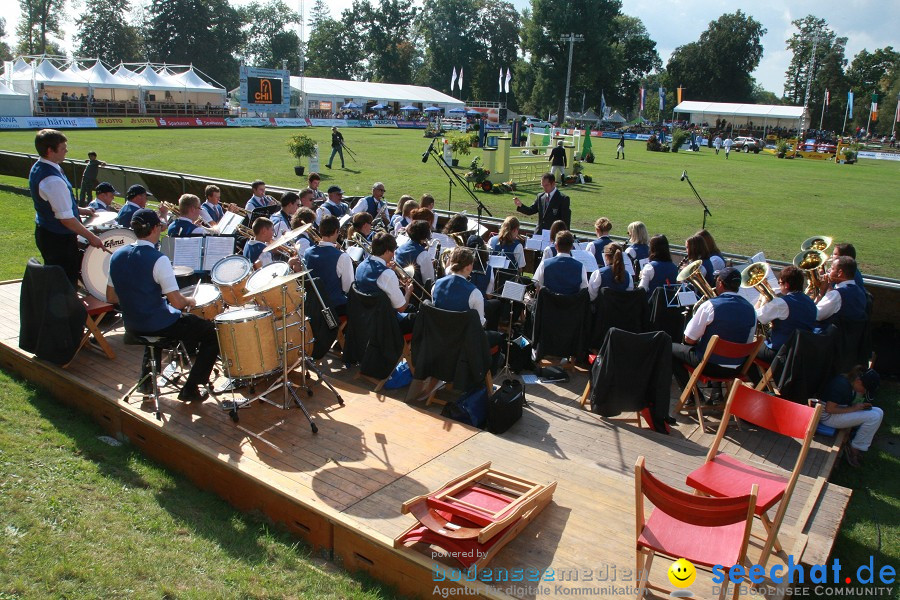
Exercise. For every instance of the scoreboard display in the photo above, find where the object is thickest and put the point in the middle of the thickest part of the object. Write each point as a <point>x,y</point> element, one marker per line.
<point>265,90</point>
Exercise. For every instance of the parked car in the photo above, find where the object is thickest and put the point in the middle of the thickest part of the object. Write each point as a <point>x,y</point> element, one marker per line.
<point>531,121</point>
<point>747,144</point>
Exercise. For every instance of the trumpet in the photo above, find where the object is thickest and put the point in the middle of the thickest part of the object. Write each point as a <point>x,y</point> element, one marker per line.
<point>173,208</point>
<point>244,232</point>
<point>691,273</point>
<point>810,261</point>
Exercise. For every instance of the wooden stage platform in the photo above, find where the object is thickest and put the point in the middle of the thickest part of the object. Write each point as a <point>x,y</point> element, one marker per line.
<point>341,489</point>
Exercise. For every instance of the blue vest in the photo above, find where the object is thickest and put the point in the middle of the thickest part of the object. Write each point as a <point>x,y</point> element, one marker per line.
<point>216,212</point>
<point>44,216</point>
<point>734,320</point>
<point>125,214</point>
<point>408,253</point>
<point>853,302</point>
<point>599,244</point>
<point>281,216</point>
<point>859,279</point>
<point>336,211</point>
<point>553,250</point>
<point>322,263</point>
<point>181,228</point>
<point>663,273</point>
<point>372,205</point>
<point>98,206</point>
<point>562,275</point>
<point>452,293</point>
<point>710,277</point>
<point>801,315</point>
<point>507,250</point>
<point>253,250</point>
<point>482,280</point>
<point>608,280</point>
<point>641,251</point>
<point>398,221</point>
<point>255,202</point>
<point>367,274</point>
<point>143,307</point>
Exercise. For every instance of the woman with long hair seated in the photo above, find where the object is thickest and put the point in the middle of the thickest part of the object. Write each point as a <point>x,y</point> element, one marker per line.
<point>550,251</point>
<point>697,250</point>
<point>507,243</point>
<point>715,255</point>
<point>613,275</point>
<point>660,270</point>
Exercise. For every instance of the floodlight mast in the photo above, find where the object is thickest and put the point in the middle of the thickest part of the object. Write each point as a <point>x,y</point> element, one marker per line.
<point>302,51</point>
<point>571,38</point>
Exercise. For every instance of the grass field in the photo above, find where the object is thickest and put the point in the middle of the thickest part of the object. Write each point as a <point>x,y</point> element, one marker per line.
<point>757,201</point>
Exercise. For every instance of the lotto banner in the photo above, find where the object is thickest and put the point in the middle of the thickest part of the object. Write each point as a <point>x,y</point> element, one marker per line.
<point>126,122</point>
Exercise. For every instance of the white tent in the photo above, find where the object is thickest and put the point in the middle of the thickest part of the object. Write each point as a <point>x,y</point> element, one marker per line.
<point>13,104</point>
<point>365,93</point>
<point>763,115</point>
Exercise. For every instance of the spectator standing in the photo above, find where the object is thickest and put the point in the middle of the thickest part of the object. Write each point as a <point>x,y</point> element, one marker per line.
<point>89,179</point>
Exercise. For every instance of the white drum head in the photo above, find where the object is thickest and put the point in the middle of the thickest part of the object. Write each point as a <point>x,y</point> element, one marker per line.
<point>230,270</point>
<point>95,266</point>
<point>241,314</point>
<point>205,294</point>
<point>102,219</point>
<point>265,275</point>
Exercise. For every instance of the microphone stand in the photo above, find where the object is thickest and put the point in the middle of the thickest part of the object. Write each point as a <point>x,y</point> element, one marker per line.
<point>451,176</point>
<point>684,176</point>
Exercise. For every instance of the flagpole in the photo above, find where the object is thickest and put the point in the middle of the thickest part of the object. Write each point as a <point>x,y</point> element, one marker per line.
<point>844,126</point>
<point>822,118</point>
<point>869,120</point>
<point>896,110</point>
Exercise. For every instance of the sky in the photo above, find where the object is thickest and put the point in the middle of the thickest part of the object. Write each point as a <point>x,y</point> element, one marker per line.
<point>868,24</point>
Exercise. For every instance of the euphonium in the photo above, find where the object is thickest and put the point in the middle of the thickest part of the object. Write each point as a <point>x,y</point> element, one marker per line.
<point>754,276</point>
<point>691,273</point>
<point>818,242</point>
<point>810,261</point>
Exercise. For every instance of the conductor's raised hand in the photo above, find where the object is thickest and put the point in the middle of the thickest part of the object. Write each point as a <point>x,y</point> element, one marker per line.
<point>517,201</point>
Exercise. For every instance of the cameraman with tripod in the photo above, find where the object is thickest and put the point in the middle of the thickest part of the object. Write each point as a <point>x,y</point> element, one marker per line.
<point>337,144</point>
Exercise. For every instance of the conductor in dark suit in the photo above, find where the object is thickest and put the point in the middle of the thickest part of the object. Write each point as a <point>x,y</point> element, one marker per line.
<point>550,205</point>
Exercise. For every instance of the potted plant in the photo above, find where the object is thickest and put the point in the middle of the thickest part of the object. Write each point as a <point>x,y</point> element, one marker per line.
<point>678,138</point>
<point>781,148</point>
<point>301,146</point>
<point>461,144</point>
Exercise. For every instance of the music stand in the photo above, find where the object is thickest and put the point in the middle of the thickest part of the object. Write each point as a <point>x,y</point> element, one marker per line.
<point>514,292</point>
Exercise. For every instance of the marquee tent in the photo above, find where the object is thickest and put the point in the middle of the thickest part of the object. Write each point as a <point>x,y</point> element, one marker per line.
<point>338,92</point>
<point>765,115</point>
<point>13,104</point>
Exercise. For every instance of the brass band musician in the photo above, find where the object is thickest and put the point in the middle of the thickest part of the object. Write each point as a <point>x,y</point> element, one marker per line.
<point>562,274</point>
<point>186,224</point>
<point>259,198</point>
<point>106,194</point>
<point>332,267</point>
<point>290,202</point>
<point>787,313</point>
<point>373,276</point>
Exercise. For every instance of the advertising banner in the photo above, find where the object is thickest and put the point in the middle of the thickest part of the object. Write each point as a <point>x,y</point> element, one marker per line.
<point>279,122</point>
<point>126,122</point>
<point>383,123</point>
<point>265,90</point>
<point>249,122</point>
<point>411,124</point>
<point>47,122</point>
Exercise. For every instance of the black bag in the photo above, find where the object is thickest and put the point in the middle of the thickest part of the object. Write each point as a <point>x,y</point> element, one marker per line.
<point>520,355</point>
<point>505,406</point>
<point>470,408</point>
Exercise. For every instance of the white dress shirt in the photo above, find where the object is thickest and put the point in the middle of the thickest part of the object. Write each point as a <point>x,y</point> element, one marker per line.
<point>55,191</point>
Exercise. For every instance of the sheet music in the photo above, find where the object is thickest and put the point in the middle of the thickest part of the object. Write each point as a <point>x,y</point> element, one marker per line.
<point>585,258</point>
<point>228,224</point>
<point>472,224</point>
<point>402,239</point>
<point>629,267</point>
<point>545,236</point>
<point>535,243</point>
<point>513,291</point>
<point>445,240</point>
<point>216,248</point>
<point>688,298</point>
<point>187,252</point>
<point>356,253</point>
<point>585,245</point>
<point>345,219</point>
<point>498,261</point>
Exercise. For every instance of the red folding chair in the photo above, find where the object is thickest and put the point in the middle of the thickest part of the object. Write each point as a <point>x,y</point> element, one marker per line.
<point>723,348</point>
<point>724,475</point>
<point>706,531</point>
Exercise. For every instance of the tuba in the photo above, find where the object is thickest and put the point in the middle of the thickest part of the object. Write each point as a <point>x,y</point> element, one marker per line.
<point>810,261</point>
<point>818,242</point>
<point>691,273</point>
<point>754,276</point>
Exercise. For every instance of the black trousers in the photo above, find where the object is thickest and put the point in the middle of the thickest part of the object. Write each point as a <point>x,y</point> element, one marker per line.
<point>684,355</point>
<point>59,249</point>
<point>193,331</point>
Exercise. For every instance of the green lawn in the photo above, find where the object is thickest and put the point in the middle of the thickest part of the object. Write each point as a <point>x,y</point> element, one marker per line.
<point>757,201</point>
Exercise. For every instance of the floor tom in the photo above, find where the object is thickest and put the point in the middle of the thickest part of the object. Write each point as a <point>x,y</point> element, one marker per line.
<point>247,343</point>
<point>291,327</point>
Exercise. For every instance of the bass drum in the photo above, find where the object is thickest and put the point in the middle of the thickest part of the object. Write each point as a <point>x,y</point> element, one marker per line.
<point>247,343</point>
<point>230,275</point>
<point>95,264</point>
<point>291,326</point>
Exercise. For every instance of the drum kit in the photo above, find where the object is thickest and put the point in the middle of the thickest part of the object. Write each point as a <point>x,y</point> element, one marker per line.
<point>95,264</point>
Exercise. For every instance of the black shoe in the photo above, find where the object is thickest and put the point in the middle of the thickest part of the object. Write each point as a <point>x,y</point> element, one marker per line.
<point>327,166</point>
<point>192,393</point>
<point>671,420</point>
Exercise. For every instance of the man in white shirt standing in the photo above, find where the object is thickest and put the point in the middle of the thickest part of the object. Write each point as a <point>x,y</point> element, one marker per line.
<point>728,144</point>
<point>57,222</point>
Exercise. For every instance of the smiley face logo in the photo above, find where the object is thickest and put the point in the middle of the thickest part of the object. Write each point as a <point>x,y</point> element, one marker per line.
<point>682,573</point>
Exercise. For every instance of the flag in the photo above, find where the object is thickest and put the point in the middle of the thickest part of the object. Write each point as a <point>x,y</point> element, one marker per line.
<point>500,80</point>
<point>453,79</point>
<point>603,114</point>
<point>460,78</point>
<point>679,94</point>
<point>897,112</point>
<point>850,102</point>
<point>508,79</point>
<point>662,99</point>
<point>827,97</point>
<point>643,93</point>
<point>586,145</point>
<point>874,107</point>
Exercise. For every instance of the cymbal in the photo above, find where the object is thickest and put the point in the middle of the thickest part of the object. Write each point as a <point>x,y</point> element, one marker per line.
<point>100,219</point>
<point>287,237</point>
<point>277,282</point>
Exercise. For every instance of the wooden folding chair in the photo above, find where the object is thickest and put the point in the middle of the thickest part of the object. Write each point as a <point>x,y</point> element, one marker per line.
<point>724,348</point>
<point>706,531</point>
<point>724,475</point>
<point>96,311</point>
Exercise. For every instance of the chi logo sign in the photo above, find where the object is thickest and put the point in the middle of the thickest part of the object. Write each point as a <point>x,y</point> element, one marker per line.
<point>265,91</point>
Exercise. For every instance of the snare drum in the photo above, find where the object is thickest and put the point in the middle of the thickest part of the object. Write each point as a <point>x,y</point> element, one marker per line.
<point>272,298</point>
<point>101,221</point>
<point>294,335</point>
<point>95,264</point>
<point>209,301</point>
<point>230,275</point>
<point>185,276</point>
<point>247,343</point>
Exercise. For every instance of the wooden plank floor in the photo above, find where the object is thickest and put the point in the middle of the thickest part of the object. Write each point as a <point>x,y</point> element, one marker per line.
<point>378,451</point>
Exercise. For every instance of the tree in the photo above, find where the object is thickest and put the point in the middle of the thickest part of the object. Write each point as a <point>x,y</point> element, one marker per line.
<point>717,68</point>
<point>448,29</point>
<point>205,33</point>
<point>269,37</point>
<point>333,53</point>
<point>318,15</point>
<point>542,29</point>
<point>39,19</point>
<point>826,72</point>
<point>634,56</point>
<point>385,32</point>
<point>5,53</point>
<point>103,33</point>
<point>876,72</point>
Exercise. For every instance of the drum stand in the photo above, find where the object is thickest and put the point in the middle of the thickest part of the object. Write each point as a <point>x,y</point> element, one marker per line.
<point>506,372</point>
